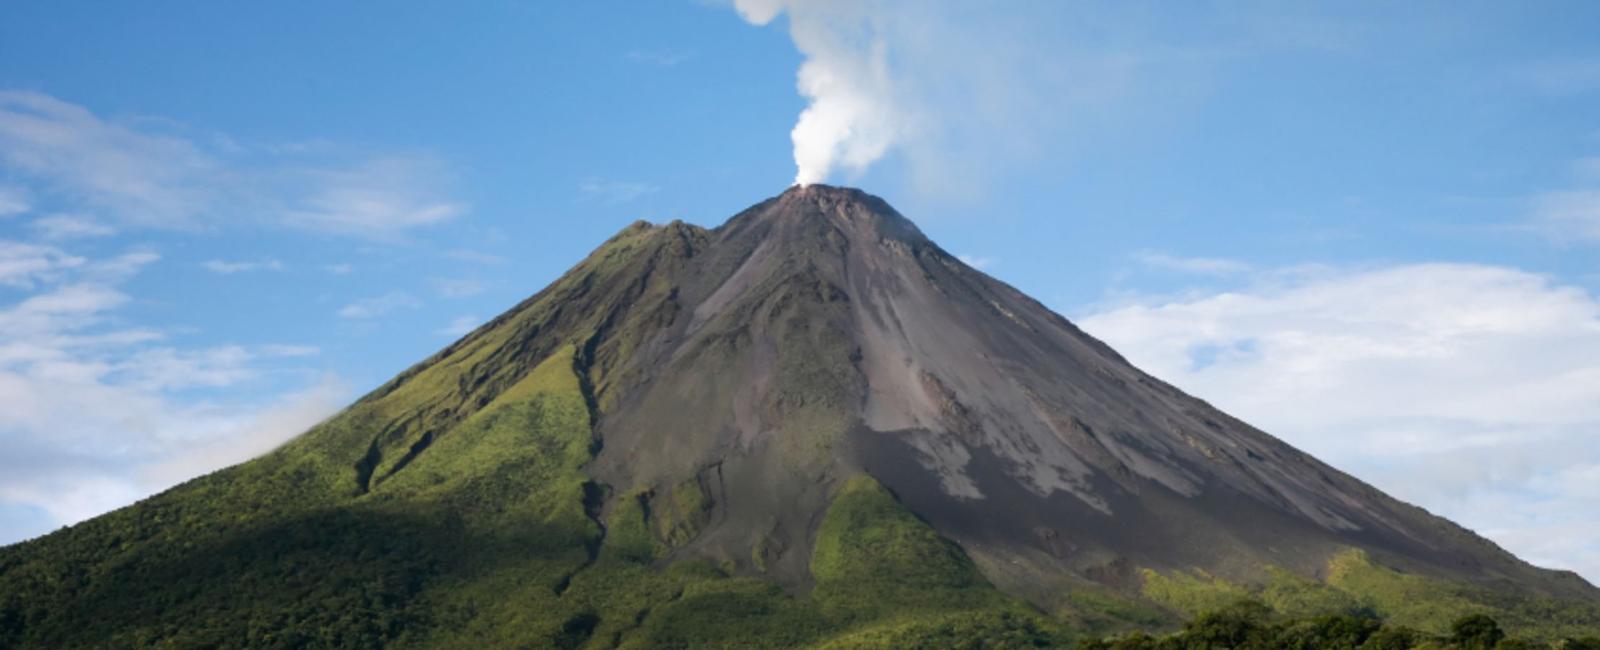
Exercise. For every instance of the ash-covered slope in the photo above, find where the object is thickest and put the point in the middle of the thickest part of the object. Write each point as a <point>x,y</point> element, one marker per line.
<point>686,440</point>
<point>820,334</point>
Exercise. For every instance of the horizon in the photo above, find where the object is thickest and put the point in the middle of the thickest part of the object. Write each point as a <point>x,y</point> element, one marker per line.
<point>1368,231</point>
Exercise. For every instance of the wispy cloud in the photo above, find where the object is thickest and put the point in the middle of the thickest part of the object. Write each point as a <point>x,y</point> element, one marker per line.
<point>224,267</point>
<point>475,257</point>
<point>147,178</point>
<point>139,175</point>
<point>460,326</point>
<point>339,269</point>
<point>256,433</point>
<point>1569,214</point>
<point>457,288</point>
<point>379,198</point>
<point>1190,265</point>
<point>70,226</point>
<point>22,264</point>
<point>288,350</point>
<point>1467,389</point>
<point>95,414</point>
<point>379,305</point>
<point>614,192</point>
<point>977,261</point>
<point>1569,76</point>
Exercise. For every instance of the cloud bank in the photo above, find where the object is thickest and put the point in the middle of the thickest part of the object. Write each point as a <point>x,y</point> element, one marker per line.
<point>142,176</point>
<point>1468,389</point>
<point>95,414</point>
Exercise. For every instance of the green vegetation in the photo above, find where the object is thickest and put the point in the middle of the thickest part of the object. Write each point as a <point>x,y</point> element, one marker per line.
<point>873,557</point>
<point>1403,598</point>
<point>485,537</point>
<point>1357,586</point>
<point>628,535</point>
<point>1251,625</point>
<point>680,516</point>
<point>1100,610</point>
<point>1191,594</point>
<point>1296,596</point>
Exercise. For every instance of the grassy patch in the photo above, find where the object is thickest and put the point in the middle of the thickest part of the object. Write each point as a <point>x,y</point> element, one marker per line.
<point>1404,599</point>
<point>682,512</point>
<point>873,557</point>
<point>1189,593</point>
<point>1293,595</point>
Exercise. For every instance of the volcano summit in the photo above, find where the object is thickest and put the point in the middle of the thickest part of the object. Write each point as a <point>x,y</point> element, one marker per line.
<point>807,426</point>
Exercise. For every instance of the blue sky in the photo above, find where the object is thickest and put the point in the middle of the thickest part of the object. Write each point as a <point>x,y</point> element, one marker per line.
<point>1371,229</point>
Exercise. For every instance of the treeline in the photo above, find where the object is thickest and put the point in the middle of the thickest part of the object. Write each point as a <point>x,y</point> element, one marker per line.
<point>1249,625</point>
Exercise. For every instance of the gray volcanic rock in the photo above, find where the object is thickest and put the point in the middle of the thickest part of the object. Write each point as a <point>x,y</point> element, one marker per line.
<point>819,334</point>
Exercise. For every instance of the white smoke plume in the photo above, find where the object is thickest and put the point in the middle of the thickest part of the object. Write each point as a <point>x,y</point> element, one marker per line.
<point>953,90</point>
<point>956,92</point>
<point>853,118</point>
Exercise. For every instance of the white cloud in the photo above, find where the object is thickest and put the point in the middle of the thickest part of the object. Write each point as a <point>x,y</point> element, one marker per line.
<point>220,266</point>
<point>380,198</point>
<point>1191,265</point>
<point>977,261</point>
<point>1571,214</point>
<point>138,175</point>
<point>122,266</point>
<point>147,178</point>
<point>22,264</point>
<point>379,305</point>
<point>614,192</point>
<point>94,414</point>
<point>1470,390</point>
<point>165,369</point>
<point>457,288</point>
<point>339,269</point>
<point>253,434</point>
<point>460,326</point>
<point>70,226</point>
<point>286,350</point>
<point>475,257</point>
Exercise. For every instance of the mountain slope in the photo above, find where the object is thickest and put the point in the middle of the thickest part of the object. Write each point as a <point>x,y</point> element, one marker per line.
<point>806,426</point>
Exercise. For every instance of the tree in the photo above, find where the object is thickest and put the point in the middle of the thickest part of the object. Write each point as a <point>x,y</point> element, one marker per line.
<point>1331,631</point>
<point>1391,638</point>
<point>1241,625</point>
<point>1476,632</point>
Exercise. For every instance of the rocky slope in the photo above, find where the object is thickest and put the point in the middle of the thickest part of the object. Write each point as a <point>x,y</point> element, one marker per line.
<point>808,421</point>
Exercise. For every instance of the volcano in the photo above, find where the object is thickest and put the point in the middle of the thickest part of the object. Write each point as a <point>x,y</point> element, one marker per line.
<point>810,425</point>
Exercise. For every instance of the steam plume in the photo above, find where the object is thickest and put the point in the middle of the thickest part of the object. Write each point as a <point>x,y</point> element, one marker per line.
<point>853,117</point>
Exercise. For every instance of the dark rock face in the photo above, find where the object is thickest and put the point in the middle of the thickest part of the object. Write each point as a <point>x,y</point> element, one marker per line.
<point>819,334</point>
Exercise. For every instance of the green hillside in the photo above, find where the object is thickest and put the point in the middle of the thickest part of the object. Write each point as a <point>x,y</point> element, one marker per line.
<point>495,543</point>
